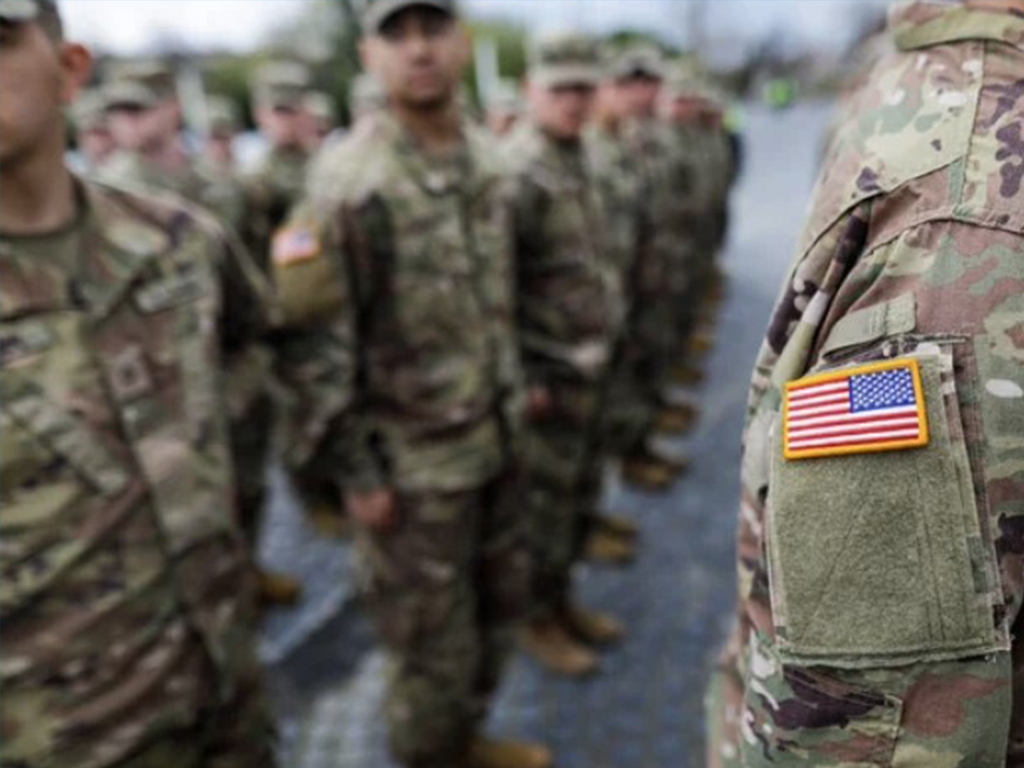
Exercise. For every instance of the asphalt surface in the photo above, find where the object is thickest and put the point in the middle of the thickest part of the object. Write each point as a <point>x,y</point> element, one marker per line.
<point>644,709</point>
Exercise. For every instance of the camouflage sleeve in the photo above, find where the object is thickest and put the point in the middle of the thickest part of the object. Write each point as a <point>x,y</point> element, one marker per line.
<point>248,309</point>
<point>319,347</point>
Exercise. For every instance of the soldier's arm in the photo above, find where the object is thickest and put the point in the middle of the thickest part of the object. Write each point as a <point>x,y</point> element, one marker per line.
<point>319,345</point>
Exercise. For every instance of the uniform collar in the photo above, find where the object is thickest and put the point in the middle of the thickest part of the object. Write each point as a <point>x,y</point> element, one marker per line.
<point>428,176</point>
<point>919,25</point>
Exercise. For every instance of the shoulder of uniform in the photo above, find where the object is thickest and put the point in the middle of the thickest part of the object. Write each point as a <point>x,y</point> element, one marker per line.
<point>521,148</point>
<point>147,221</point>
<point>348,171</point>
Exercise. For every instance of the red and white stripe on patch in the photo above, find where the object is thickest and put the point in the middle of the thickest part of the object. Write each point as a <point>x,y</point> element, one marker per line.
<point>861,409</point>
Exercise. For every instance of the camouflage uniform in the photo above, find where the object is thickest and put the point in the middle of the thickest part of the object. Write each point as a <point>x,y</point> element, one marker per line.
<point>569,308</point>
<point>631,400</point>
<point>221,194</point>
<point>880,592</point>
<point>395,275</point>
<point>125,598</point>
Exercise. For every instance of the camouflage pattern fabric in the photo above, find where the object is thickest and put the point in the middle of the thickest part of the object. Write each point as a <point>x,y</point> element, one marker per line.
<point>125,593</point>
<point>250,405</point>
<point>880,593</point>
<point>395,279</point>
<point>631,400</point>
<point>448,587</point>
<point>570,307</point>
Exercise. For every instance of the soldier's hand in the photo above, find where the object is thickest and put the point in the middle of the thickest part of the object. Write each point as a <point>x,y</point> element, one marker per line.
<point>538,402</point>
<point>374,509</point>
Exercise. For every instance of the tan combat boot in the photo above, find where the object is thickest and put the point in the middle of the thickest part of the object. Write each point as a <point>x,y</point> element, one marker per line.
<point>487,752</point>
<point>676,419</point>
<point>604,546</point>
<point>592,627</point>
<point>329,520</point>
<point>549,643</point>
<point>648,473</point>
<point>277,588</point>
<point>617,525</point>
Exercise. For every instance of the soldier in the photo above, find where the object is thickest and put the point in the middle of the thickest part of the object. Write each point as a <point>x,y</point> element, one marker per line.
<point>222,127</point>
<point>504,109</point>
<point>145,119</point>
<point>635,79</point>
<point>569,310</point>
<point>882,511</point>
<point>92,135</point>
<point>125,600</point>
<point>398,269</point>
<point>320,120</point>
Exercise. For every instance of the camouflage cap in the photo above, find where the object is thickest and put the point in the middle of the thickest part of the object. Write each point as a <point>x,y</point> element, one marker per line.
<point>377,12</point>
<point>281,84</point>
<point>121,94</point>
<point>222,115</point>
<point>639,60</point>
<point>43,11</point>
<point>89,110</point>
<point>683,82</point>
<point>564,58</point>
<point>320,105</point>
<point>155,75</point>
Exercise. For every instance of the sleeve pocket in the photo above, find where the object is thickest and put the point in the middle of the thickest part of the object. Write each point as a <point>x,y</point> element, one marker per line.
<point>870,554</point>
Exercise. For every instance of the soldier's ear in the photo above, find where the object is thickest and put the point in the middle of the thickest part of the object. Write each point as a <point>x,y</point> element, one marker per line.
<point>76,66</point>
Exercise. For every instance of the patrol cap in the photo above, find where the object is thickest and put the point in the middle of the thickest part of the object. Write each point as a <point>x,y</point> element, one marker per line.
<point>377,12</point>
<point>281,84</point>
<point>89,110</point>
<point>221,115</point>
<point>682,82</point>
<point>154,75</point>
<point>564,58</point>
<point>639,60</point>
<point>44,12</point>
<point>121,94</point>
<point>320,106</point>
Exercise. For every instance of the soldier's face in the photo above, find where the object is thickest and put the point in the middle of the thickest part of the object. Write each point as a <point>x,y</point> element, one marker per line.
<point>96,144</point>
<point>561,111</point>
<point>143,128</point>
<point>280,124</point>
<point>219,147</point>
<point>418,57</point>
<point>39,76</point>
<point>682,111</point>
<point>639,95</point>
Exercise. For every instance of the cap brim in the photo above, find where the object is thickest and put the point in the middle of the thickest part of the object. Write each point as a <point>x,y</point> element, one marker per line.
<point>380,11</point>
<point>19,11</point>
<point>563,77</point>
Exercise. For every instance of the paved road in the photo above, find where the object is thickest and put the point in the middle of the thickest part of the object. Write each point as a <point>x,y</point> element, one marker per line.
<point>645,708</point>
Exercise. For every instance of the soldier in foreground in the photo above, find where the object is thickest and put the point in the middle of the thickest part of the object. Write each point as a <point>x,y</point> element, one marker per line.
<point>882,515</point>
<point>569,309</point>
<point>398,269</point>
<point>125,600</point>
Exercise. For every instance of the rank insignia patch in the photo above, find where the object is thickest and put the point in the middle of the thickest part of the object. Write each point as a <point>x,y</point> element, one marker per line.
<point>862,409</point>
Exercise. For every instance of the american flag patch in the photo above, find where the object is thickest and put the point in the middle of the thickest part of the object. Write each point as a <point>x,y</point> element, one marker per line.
<point>293,244</point>
<point>875,407</point>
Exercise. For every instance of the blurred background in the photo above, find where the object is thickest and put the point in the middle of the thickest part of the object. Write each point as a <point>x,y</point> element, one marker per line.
<point>780,65</point>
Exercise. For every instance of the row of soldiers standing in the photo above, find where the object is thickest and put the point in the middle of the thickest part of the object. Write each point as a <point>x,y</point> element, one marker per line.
<point>466,330</point>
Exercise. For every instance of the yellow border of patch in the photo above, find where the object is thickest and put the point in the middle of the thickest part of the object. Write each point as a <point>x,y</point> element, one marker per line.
<point>892,445</point>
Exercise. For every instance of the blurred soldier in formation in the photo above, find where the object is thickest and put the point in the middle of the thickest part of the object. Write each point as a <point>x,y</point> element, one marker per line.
<point>504,109</point>
<point>321,120</point>
<point>366,97</point>
<point>92,135</point>
<point>222,127</point>
<point>700,159</point>
<point>145,120</point>
<point>397,273</point>
<point>126,601</point>
<point>635,78</point>
<point>882,514</point>
<point>569,310</point>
